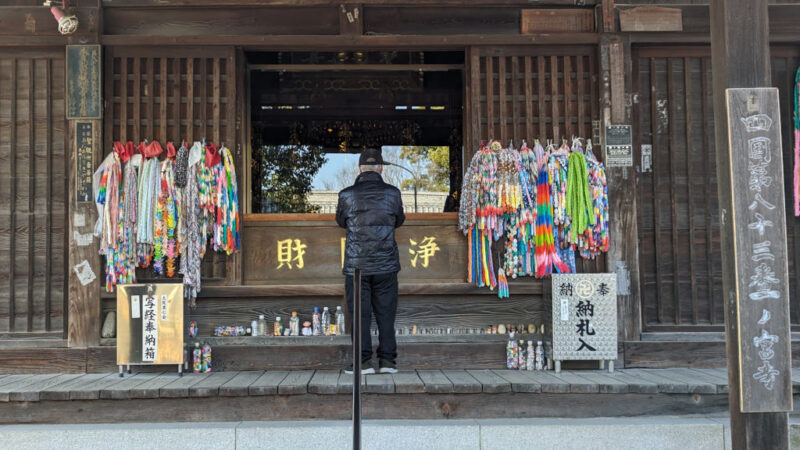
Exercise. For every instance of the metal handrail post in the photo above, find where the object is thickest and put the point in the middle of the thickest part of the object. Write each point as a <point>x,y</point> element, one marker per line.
<point>357,359</point>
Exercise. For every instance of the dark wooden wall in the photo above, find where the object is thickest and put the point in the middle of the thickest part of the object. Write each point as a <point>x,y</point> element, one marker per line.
<point>679,243</point>
<point>174,94</point>
<point>32,192</point>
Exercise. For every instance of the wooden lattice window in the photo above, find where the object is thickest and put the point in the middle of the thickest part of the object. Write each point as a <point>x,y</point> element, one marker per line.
<point>529,93</point>
<point>173,94</point>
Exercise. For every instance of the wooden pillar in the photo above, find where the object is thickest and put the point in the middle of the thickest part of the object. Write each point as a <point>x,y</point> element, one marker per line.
<point>623,253</point>
<point>84,299</point>
<point>740,58</point>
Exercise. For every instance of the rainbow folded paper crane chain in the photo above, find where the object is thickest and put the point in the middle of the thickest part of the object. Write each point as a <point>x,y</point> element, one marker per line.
<point>143,218</point>
<point>545,204</point>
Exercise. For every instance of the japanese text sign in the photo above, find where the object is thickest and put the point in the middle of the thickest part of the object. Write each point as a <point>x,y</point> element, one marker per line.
<point>584,316</point>
<point>84,86</point>
<point>84,161</point>
<point>150,323</point>
<point>315,254</point>
<point>619,146</point>
<point>759,240</point>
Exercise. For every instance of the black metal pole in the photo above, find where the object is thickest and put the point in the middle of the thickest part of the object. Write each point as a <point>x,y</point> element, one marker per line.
<point>357,359</point>
<point>415,195</point>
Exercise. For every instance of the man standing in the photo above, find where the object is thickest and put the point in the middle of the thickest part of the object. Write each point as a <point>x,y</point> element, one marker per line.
<point>370,210</point>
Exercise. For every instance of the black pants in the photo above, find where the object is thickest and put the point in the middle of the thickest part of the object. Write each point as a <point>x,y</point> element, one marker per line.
<point>378,295</point>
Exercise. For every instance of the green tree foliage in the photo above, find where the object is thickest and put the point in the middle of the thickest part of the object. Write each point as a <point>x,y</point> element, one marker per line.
<point>287,174</point>
<point>430,165</point>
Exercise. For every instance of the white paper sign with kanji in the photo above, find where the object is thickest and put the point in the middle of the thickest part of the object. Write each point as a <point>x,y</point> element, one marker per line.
<point>585,317</point>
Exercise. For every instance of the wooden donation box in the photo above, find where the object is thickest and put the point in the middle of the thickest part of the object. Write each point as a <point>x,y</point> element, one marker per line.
<point>150,324</point>
<point>585,318</point>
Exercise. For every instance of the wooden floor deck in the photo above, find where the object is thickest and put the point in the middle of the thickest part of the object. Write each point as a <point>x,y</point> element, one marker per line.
<point>309,394</point>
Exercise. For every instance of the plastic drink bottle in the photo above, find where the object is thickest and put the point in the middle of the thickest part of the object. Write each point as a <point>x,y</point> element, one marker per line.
<point>326,321</point>
<point>339,321</point>
<point>197,358</point>
<point>539,356</point>
<point>316,324</point>
<point>511,352</point>
<point>262,325</point>
<point>206,358</point>
<point>531,362</point>
<point>278,331</point>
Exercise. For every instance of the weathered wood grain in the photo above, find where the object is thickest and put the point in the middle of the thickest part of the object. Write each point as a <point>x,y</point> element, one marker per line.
<point>696,384</point>
<point>268,383</point>
<point>651,18</point>
<point>636,384</point>
<point>229,21</point>
<point>406,382</point>
<point>62,391</point>
<point>90,389</point>
<point>151,388</point>
<point>325,382</point>
<point>179,387</point>
<point>557,20</point>
<point>577,383</point>
<point>435,381</point>
<point>463,383</point>
<point>46,360</point>
<point>492,383</point>
<point>84,301</point>
<point>345,384</point>
<point>665,384</point>
<point>550,384</point>
<point>379,384</point>
<point>296,382</point>
<point>239,385</point>
<point>312,406</point>
<point>123,390</point>
<point>30,393</point>
<point>606,383</point>
<point>209,387</point>
<point>520,380</point>
<point>713,376</point>
<point>7,389</point>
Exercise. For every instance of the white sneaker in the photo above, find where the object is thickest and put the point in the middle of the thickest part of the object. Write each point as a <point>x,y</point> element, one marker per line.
<point>387,367</point>
<point>365,369</point>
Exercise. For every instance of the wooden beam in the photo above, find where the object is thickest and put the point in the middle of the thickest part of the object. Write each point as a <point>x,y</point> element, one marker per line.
<point>38,21</point>
<point>323,42</point>
<point>355,67</point>
<point>740,57</point>
<point>259,292</point>
<point>197,3</point>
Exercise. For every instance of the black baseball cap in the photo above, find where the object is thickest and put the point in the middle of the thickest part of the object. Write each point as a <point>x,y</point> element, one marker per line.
<point>370,157</point>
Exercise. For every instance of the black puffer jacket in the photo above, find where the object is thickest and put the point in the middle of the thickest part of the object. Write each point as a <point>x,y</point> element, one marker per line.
<point>370,210</point>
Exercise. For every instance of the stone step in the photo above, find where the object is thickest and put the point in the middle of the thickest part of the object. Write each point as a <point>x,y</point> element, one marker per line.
<point>600,433</point>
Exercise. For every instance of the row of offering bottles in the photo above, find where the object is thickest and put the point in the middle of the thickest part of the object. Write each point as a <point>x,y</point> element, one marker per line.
<point>319,325</point>
<point>200,358</point>
<point>520,357</point>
